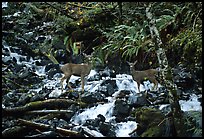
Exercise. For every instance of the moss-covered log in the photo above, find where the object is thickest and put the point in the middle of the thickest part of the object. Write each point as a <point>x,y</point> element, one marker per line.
<point>37,105</point>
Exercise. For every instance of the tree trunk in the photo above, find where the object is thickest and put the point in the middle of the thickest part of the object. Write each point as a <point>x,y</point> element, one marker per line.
<point>166,73</point>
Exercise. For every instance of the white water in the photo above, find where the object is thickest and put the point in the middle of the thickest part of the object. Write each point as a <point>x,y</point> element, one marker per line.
<point>123,81</point>
<point>191,105</point>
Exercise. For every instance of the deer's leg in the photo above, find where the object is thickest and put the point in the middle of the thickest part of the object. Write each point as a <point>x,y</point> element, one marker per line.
<point>61,82</point>
<point>155,83</point>
<point>138,85</point>
<point>64,78</point>
<point>68,82</point>
<point>82,83</point>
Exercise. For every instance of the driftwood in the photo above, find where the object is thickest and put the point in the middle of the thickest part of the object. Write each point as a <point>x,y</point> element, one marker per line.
<point>40,126</point>
<point>48,104</point>
<point>49,112</point>
<point>45,134</point>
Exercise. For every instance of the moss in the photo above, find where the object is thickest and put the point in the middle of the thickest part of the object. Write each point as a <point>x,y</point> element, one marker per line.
<point>154,131</point>
<point>149,120</point>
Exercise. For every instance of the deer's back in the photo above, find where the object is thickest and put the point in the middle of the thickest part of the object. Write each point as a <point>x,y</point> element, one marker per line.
<point>141,75</point>
<point>75,69</point>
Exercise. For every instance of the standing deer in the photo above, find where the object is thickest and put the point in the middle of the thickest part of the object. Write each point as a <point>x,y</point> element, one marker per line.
<point>139,76</point>
<point>70,69</point>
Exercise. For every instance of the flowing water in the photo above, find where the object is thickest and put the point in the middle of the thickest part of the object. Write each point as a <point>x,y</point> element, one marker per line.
<point>123,82</point>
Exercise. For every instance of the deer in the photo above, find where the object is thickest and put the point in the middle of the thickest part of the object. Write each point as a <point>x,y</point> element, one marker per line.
<point>139,76</point>
<point>81,70</point>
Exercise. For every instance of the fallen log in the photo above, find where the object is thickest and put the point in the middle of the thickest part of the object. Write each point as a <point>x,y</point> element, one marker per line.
<point>40,126</point>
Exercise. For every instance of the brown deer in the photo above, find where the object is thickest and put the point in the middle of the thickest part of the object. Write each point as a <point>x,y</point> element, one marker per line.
<point>70,69</point>
<point>139,76</point>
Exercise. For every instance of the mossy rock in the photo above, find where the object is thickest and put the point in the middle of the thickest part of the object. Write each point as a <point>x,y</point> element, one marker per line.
<point>148,115</point>
<point>149,120</point>
<point>154,131</point>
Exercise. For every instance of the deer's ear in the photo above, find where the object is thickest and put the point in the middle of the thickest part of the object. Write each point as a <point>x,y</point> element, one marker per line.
<point>128,62</point>
<point>135,62</point>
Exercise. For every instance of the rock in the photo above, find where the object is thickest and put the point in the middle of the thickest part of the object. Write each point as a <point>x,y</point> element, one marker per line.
<point>107,73</point>
<point>19,67</point>
<point>5,51</point>
<point>101,118</point>
<point>92,97</point>
<point>74,95</point>
<point>7,60</point>
<point>107,90</point>
<point>111,82</point>
<point>96,77</point>
<point>24,98</point>
<point>148,120</point>
<point>183,78</point>
<point>138,100</point>
<point>51,73</point>
<point>50,66</point>
<point>62,123</point>
<point>45,62</point>
<point>107,129</point>
<point>121,110</point>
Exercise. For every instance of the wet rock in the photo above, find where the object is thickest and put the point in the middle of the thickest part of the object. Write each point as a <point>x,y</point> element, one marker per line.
<point>19,67</point>
<point>107,73</point>
<point>22,59</point>
<point>101,118</point>
<point>52,66</point>
<point>124,94</point>
<point>110,82</point>
<point>28,77</point>
<point>37,97</point>
<point>121,110</point>
<point>5,51</point>
<point>16,50</point>
<point>7,60</point>
<point>183,78</point>
<point>25,98</point>
<point>92,97</point>
<point>95,77</point>
<point>107,129</point>
<point>44,62</point>
<point>38,63</point>
<point>40,39</point>
<point>138,100</point>
<point>62,123</point>
<point>10,98</point>
<point>92,123</point>
<point>72,108</point>
<point>107,90</point>
<point>73,95</point>
<point>51,73</point>
<point>24,73</point>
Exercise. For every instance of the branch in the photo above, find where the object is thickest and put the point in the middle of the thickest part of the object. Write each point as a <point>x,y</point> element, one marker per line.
<point>40,126</point>
<point>49,112</point>
<point>196,19</point>
<point>61,11</point>
<point>81,6</point>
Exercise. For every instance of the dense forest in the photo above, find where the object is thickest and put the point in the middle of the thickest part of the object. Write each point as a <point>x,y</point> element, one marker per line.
<point>39,37</point>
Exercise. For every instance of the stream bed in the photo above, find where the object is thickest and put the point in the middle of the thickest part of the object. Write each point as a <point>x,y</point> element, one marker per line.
<point>112,99</point>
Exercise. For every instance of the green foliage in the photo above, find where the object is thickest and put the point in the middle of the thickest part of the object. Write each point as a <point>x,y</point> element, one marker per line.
<point>46,49</point>
<point>191,44</point>
<point>125,40</point>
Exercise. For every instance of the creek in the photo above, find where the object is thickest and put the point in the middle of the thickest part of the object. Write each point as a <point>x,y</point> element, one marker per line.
<point>120,83</point>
